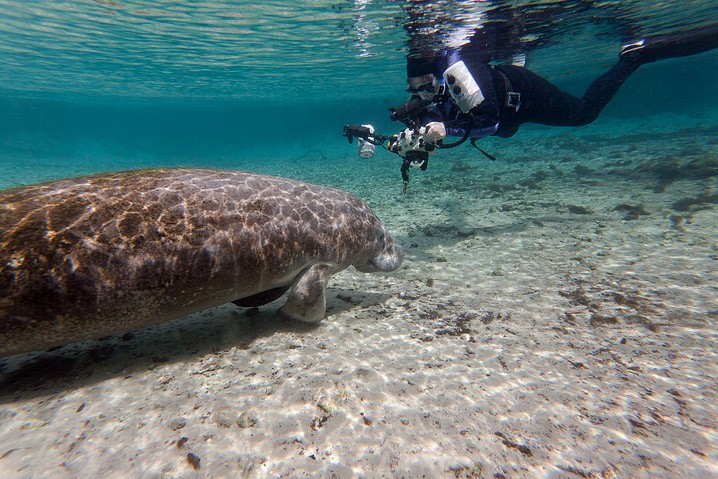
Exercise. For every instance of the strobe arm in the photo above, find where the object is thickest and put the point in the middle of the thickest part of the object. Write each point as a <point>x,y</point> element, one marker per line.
<point>363,132</point>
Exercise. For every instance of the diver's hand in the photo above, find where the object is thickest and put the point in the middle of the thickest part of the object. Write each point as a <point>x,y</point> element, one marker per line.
<point>434,131</point>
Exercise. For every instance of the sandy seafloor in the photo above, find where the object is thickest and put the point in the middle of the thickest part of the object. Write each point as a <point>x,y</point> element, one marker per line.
<point>555,317</point>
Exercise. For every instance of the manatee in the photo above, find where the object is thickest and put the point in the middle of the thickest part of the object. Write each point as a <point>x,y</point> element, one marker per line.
<point>105,254</point>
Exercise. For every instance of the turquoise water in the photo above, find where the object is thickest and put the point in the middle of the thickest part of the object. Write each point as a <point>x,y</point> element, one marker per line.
<point>106,85</point>
<point>555,313</point>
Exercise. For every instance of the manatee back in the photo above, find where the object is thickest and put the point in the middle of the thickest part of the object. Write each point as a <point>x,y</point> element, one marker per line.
<point>104,254</point>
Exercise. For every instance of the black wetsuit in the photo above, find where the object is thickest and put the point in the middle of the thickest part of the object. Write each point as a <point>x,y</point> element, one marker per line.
<point>514,95</point>
<point>542,102</point>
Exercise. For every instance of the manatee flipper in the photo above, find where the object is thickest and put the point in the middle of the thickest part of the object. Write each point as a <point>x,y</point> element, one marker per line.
<point>307,299</point>
<point>262,298</point>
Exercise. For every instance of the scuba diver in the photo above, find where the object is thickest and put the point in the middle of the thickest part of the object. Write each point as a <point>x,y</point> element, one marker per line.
<point>460,94</point>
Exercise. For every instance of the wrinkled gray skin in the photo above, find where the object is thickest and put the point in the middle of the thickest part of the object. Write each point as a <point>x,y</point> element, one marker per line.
<point>94,256</point>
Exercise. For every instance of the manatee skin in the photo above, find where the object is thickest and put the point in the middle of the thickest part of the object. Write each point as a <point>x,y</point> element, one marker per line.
<point>99,255</point>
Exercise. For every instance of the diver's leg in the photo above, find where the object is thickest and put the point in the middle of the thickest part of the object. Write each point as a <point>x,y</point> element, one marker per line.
<point>548,105</point>
<point>542,102</point>
<point>604,88</point>
<point>650,49</point>
<point>672,45</point>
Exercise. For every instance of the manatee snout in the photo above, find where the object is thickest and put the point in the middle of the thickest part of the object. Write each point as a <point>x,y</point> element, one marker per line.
<point>389,259</point>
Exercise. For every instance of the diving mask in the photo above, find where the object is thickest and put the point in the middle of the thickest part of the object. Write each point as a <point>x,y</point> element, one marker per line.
<point>424,86</point>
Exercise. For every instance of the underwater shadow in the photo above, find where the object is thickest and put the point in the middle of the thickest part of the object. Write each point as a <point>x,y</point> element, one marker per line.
<point>187,339</point>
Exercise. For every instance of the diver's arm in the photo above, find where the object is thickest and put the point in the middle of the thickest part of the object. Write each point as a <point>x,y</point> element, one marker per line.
<point>473,111</point>
<point>485,115</point>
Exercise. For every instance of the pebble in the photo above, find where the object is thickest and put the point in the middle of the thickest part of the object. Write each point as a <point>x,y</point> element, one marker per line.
<point>222,417</point>
<point>178,423</point>
<point>326,405</point>
<point>498,272</point>
<point>247,419</point>
<point>34,424</point>
<point>194,460</point>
